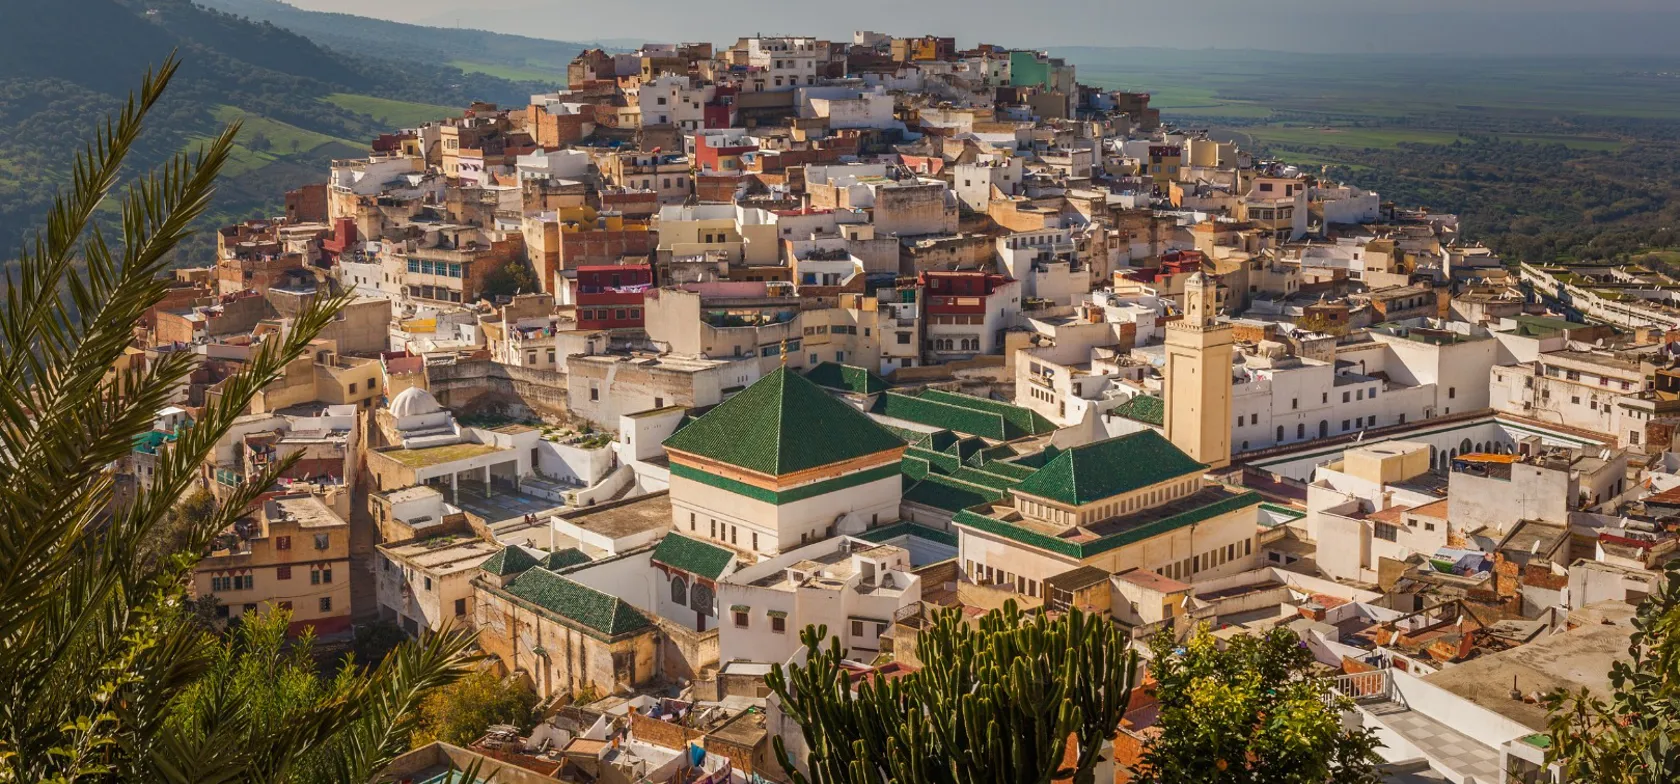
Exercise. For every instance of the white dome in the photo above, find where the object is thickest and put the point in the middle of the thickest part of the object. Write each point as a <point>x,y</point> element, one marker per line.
<point>414,401</point>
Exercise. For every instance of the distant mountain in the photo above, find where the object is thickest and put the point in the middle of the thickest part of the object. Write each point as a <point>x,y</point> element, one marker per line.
<point>395,40</point>
<point>303,102</point>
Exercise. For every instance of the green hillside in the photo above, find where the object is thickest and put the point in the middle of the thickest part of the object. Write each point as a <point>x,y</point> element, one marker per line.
<point>520,55</point>
<point>302,104</point>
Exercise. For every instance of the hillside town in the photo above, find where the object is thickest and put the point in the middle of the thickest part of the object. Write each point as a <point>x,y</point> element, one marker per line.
<point>641,379</point>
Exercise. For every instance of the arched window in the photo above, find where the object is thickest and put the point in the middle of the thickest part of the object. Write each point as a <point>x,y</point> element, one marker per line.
<point>1280,434</point>
<point>1324,429</point>
<point>679,591</point>
<point>1301,430</point>
<point>1464,447</point>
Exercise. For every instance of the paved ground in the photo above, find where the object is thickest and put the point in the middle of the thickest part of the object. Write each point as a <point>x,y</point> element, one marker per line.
<point>1446,747</point>
<point>503,503</point>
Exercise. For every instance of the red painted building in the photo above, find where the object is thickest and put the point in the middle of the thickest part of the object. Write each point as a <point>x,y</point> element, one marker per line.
<point>715,155</point>
<point>960,292</point>
<point>610,297</point>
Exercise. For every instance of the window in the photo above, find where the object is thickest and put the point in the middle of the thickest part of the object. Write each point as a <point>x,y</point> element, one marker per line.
<point>352,387</point>
<point>1452,392</point>
<point>283,573</point>
<point>778,624</point>
<point>460,606</point>
<point>322,540</point>
<point>428,583</point>
<point>857,628</point>
<point>326,604</point>
<point>370,384</point>
<point>1387,532</point>
<point>1345,427</point>
<point>1428,526</point>
<point>1294,403</point>
<point>284,605</point>
<point>1345,398</point>
<point>740,620</point>
<point>903,338</point>
<point>755,541</point>
<point>1359,394</point>
<point>282,542</point>
<point>594,394</point>
<point>1301,431</point>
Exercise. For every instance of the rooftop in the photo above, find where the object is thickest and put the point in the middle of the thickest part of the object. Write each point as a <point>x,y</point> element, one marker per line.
<point>782,424</point>
<point>1575,659</point>
<point>426,457</point>
<point>619,519</point>
<point>1090,473</point>
<point>1085,541</point>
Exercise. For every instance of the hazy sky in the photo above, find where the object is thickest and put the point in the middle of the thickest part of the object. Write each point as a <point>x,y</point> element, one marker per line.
<point>1422,26</point>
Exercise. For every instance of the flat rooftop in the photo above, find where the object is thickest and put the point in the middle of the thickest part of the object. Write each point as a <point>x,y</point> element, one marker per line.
<point>444,554</point>
<point>307,512</point>
<point>624,518</point>
<point>427,457</point>
<point>1579,657</point>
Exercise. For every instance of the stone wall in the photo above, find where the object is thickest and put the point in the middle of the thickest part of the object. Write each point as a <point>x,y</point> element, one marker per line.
<point>484,386</point>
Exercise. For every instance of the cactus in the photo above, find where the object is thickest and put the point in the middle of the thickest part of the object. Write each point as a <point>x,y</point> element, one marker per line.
<point>996,700</point>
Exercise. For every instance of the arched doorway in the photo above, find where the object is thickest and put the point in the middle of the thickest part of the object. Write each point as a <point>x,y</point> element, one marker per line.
<point>1324,430</point>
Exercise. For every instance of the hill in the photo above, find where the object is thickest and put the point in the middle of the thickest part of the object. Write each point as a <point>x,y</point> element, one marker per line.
<point>482,51</point>
<point>303,103</point>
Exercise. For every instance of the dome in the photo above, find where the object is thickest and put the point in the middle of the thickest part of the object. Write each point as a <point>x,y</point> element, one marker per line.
<point>414,401</point>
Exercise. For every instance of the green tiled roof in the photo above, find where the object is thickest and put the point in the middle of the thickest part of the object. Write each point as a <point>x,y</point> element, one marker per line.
<point>1147,409</point>
<point>984,478</point>
<point>693,556</point>
<point>782,424</point>
<point>1026,420</point>
<point>511,560</point>
<point>962,419</point>
<point>604,613</point>
<point>1104,469</point>
<point>1038,459</point>
<point>1042,541</point>
<point>562,559</point>
<point>943,493</point>
<point>848,377</point>
<point>909,436</point>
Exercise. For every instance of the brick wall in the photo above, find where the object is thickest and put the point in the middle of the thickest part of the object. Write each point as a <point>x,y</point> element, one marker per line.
<point>662,733</point>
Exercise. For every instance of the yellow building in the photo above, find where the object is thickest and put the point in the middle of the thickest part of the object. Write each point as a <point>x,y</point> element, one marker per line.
<point>295,555</point>
<point>1198,382</point>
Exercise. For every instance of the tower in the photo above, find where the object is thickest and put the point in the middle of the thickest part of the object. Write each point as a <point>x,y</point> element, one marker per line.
<point>1198,384</point>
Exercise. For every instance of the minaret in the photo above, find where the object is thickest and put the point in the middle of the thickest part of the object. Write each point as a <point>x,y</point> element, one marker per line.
<point>1198,388</point>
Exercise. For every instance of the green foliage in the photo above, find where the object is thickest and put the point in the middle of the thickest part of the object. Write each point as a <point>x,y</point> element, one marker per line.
<point>995,700</point>
<point>1249,713</point>
<point>105,672</point>
<point>461,712</point>
<point>1634,738</point>
<point>516,277</point>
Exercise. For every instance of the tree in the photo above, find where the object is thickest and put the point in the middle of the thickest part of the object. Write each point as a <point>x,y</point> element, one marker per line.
<point>99,656</point>
<point>1634,738</point>
<point>1249,713</point>
<point>995,700</point>
<point>461,712</point>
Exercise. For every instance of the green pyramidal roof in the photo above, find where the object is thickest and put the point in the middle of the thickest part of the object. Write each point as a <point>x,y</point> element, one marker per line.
<point>511,560</point>
<point>1104,469</point>
<point>781,424</point>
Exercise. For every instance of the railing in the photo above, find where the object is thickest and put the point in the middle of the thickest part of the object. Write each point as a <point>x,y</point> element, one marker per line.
<point>1372,686</point>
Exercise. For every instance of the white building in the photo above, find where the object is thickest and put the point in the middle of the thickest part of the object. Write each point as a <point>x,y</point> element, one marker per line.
<point>852,586</point>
